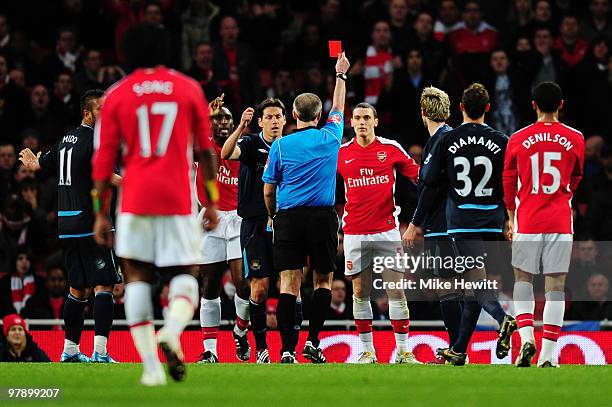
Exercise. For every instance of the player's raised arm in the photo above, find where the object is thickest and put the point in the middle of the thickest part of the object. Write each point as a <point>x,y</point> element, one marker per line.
<point>342,67</point>
<point>230,150</point>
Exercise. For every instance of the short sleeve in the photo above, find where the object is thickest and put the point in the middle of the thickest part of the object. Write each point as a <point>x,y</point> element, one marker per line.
<point>247,149</point>
<point>335,125</point>
<point>272,170</point>
<point>48,161</point>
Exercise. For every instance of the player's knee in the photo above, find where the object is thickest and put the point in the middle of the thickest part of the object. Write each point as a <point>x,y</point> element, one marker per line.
<point>259,291</point>
<point>520,275</point>
<point>80,293</point>
<point>321,280</point>
<point>242,289</point>
<point>554,282</point>
<point>184,285</point>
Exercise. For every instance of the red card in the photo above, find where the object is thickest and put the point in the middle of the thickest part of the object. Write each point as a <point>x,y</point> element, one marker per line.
<point>335,48</point>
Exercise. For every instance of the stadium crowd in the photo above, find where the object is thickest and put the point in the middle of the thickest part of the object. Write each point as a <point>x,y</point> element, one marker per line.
<point>248,50</point>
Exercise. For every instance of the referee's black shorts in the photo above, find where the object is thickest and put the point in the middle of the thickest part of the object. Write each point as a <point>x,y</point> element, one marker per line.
<point>306,232</point>
<point>88,264</point>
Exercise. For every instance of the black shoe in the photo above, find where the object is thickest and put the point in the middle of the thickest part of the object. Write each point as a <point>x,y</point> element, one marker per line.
<point>243,349</point>
<point>287,357</point>
<point>263,356</point>
<point>452,357</point>
<point>504,337</point>
<point>548,364</point>
<point>176,367</point>
<point>208,357</point>
<point>315,355</point>
<point>528,351</point>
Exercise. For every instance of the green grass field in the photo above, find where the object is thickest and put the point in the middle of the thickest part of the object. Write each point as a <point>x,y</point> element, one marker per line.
<point>315,385</point>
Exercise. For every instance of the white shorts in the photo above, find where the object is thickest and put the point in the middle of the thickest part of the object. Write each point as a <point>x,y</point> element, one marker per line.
<point>164,241</point>
<point>222,243</point>
<point>384,244</point>
<point>552,250</point>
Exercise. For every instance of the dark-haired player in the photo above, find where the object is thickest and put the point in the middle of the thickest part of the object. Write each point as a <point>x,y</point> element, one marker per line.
<point>543,169</point>
<point>88,265</point>
<point>159,117</point>
<point>255,232</point>
<point>221,247</point>
<point>368,164</point>
<point>470,159</point>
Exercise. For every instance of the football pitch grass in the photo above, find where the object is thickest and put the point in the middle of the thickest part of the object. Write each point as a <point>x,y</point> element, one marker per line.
<point>318,385</point>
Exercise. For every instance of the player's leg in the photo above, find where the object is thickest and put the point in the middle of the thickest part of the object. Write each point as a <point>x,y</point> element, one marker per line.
<point>139,314</point>
<point>257,305</point>
<point>75,303</point>
<point>322,244</point>
<point>554,308</point>
<point>362,313</point>
<point>183,299</point>
<point>102,276</point>
<point>210,309</point>
<point>289,257</point>
<point>524,306</point>
<point>241,302</point>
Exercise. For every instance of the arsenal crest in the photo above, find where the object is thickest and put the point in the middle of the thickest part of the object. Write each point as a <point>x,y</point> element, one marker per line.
<point>382,156</point>
<point>349,264</point>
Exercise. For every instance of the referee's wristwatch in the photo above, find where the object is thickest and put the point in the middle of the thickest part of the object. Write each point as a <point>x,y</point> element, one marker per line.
<point>341,75</point>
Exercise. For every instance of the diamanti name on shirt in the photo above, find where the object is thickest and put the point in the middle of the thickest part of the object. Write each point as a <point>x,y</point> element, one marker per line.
<point>367,178</point>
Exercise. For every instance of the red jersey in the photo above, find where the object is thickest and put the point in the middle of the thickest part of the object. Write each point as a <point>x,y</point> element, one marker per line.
<point>155,114</point>
<point>463,40</point>
<point>369,183</point>
<point>543,167</point>
<point>227,180</point>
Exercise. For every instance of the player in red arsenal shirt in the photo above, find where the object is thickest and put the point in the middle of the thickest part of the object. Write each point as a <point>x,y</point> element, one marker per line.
<point>221,247</point>
<point>158,116</point>
<point>367,165</point>
<point>543,167</point>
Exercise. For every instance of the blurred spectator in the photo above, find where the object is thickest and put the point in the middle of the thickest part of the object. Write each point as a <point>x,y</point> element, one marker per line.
<point>19,286</point>
<point>309,48</point>
<point>31,140</point>
<point>5,35</point>
<point>20,226</point>
<point>330,21</point>
<point>506,98</point>
<point>196,21</point>
<point>380,308</point>
<point>416,152</point>
<point>7,162</point>
<point>435,53</point>
<point>338,308</point>
<point>118,301</point>
<point>519,21</point>
<point>87,77</point>
<point>378,66</point>
<point>64,57</point>
<point>235,63</point>
<point>543,16</point>
<point>153,14</point>
<point>64,102</point>
<point>407,85</point>
<point>448,19</point>
<point>18,77</point>
<point>597,23</point>
<point>17,344</point>
<point>595,87</point>
<point>13,104</point>
<point>593,146</point>
<point>42,118</point>
<point>573,48</point>
<point>262,29</point>
<point>597,306</point>
<point>471,44</point>
<point>109,74</point>
<point>598,219</point>
<point>48,303</point>
<point>282,87</point>
<point>202,71</point>
<point>401,27</point>
<point>548,58</point>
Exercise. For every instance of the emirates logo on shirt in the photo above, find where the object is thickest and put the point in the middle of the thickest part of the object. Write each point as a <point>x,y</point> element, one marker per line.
<point>382,156</point>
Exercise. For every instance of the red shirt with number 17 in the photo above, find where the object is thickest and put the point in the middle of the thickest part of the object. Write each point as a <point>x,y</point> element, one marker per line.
<point>158,116</point>
<point>543,167</point>
<point>369,183</point>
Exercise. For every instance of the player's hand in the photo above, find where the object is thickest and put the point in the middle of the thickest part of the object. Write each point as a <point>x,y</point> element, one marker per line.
<point>217,103</point>
<point>270,224</point>
<point>29,160</point>
<point>210,218</point>
<point>343,64</point>
<point>102,234</point>
<point>247,116</point>
<point>509,229</point>
<point>410,235</point>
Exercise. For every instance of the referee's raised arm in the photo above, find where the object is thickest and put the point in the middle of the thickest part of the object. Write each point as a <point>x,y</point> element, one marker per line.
<point>342,66</point>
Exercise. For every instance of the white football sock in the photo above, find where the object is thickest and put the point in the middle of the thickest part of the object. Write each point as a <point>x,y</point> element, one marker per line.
<point>100,344</point>
<point>524,306</point>
<point>398,311</point>
<point>183,297</point>
<point>362,312</point>
<point>210,318</point>
<point>242,312</point>
<point>70,347</point>
<point>139,313</point>
<point>554,308</point>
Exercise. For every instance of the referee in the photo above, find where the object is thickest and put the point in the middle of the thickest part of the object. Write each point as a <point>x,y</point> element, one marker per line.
<point>302,166</point>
